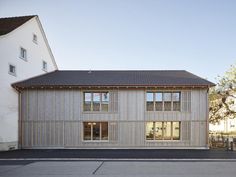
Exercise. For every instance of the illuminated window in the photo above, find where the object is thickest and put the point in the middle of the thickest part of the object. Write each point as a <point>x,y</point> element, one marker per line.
<point>163,131</point>
<point>95,131</point>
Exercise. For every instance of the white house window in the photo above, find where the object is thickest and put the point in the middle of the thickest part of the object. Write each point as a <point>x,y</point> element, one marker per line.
<point>12,70</point>
<point>23,53</point>
<point>96,101</point>
<point>163,101</point>
<point>45,67</point>
<point>35,38</point>
<point>163,131</point>
<point>95,131</point>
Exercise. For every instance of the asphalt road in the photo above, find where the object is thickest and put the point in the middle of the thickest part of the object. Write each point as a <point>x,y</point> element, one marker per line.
<point>118,154</point>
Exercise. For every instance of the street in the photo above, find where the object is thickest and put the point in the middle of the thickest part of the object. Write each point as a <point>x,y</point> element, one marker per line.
<point>118,168</point>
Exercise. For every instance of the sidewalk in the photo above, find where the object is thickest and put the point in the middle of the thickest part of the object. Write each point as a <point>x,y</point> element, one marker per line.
<point>119,154</point>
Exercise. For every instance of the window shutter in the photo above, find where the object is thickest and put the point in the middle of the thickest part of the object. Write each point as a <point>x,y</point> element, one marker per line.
<point>186,101</point>
<point>113,131</point>
<point>113,101</point>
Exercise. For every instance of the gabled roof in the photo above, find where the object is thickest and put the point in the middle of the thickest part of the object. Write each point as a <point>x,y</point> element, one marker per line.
<point>147,78</point>
<point>9,24</point>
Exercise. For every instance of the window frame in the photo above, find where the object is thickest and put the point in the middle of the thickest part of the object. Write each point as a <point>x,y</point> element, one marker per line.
<point>44,69</point>
<point>91,131</point>
<point>9,72</point>
<point>155,92</point>
<point>162,138</point>
<point>21,57</point>
<point>92,101</point>
<point>35,40</point>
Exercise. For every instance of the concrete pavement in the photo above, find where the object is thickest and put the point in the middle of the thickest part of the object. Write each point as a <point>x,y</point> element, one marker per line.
<point>119,168</point>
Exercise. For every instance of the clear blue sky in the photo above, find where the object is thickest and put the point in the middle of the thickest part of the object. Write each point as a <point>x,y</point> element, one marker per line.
<point>198,36</point>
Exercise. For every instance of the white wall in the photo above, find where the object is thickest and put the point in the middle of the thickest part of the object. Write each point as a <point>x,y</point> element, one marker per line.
<point>9,53</point>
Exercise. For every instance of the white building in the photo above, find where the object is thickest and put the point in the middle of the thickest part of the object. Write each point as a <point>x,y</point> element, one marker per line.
<point>25,53</point>
<point>228,124</point>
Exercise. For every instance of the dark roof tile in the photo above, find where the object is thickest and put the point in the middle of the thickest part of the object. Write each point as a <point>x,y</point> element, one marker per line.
<point>9,24</point>
<point>116,78</point>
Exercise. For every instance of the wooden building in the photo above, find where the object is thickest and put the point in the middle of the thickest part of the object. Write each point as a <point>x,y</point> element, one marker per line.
<point>114,109</point>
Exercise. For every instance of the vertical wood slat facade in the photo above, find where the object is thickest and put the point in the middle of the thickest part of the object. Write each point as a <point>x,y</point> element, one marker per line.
<point>54,119</point>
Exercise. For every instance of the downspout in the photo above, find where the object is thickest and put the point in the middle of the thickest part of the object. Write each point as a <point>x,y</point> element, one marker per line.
<point>19,121</point>
<point>207,121</point>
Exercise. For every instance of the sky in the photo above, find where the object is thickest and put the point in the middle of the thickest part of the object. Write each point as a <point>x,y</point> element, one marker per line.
<point>198,35</point>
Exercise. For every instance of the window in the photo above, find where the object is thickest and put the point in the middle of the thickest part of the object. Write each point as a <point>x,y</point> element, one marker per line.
<point>150,101</point>
<point>163,101</point>
<point>167,101</point>
<point>163,131</point>
<point>95,131</point>
<point>45,66</point>
<point>23,53</point>
<point>35,38</point>
<point>105,101</point>
<point>96,101</point>
<point>176,101</point>
<point>12,70</point>
<point>176,130</point>
<point>159,101</point>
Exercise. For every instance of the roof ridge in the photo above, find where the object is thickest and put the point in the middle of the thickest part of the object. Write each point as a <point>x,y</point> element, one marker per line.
<point>19,16</point>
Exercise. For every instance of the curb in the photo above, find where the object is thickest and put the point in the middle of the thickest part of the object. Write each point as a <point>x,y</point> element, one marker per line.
<point>115,159</point>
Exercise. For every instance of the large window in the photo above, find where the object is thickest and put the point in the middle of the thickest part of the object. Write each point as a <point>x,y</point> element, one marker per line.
<point>163,131</point>
<point>96,101</point>
<point>95,131</point>
<point>163,101</point>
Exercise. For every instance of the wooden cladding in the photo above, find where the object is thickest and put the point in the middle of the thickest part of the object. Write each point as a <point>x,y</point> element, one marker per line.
<point>186,101</point>
<point>54,118</point>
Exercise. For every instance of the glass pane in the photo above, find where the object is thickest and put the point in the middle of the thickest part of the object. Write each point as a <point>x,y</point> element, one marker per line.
<point>167,130</point>
<point>96,101</point>
<point>105,101</point>
<point>87,101</point>
<point>167,101</point>
<point>150,131</point>
<point>176,101</point>
<point>87,131</point>
<point>104,130</point>
<point>158,130</point>
<point>150,101</point>
<point>23,53</point>
<point>96,131</point>
<point>176,96</point>
<point>158,101</point>
<point>176,106</point>
<point>167,96</point>
<point>176,130</point>
<point>158,96</point>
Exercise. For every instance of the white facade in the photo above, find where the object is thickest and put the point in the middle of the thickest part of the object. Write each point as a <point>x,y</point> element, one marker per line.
<point>227,125</point>
<point>37,52</point>
<point>224,126</point>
